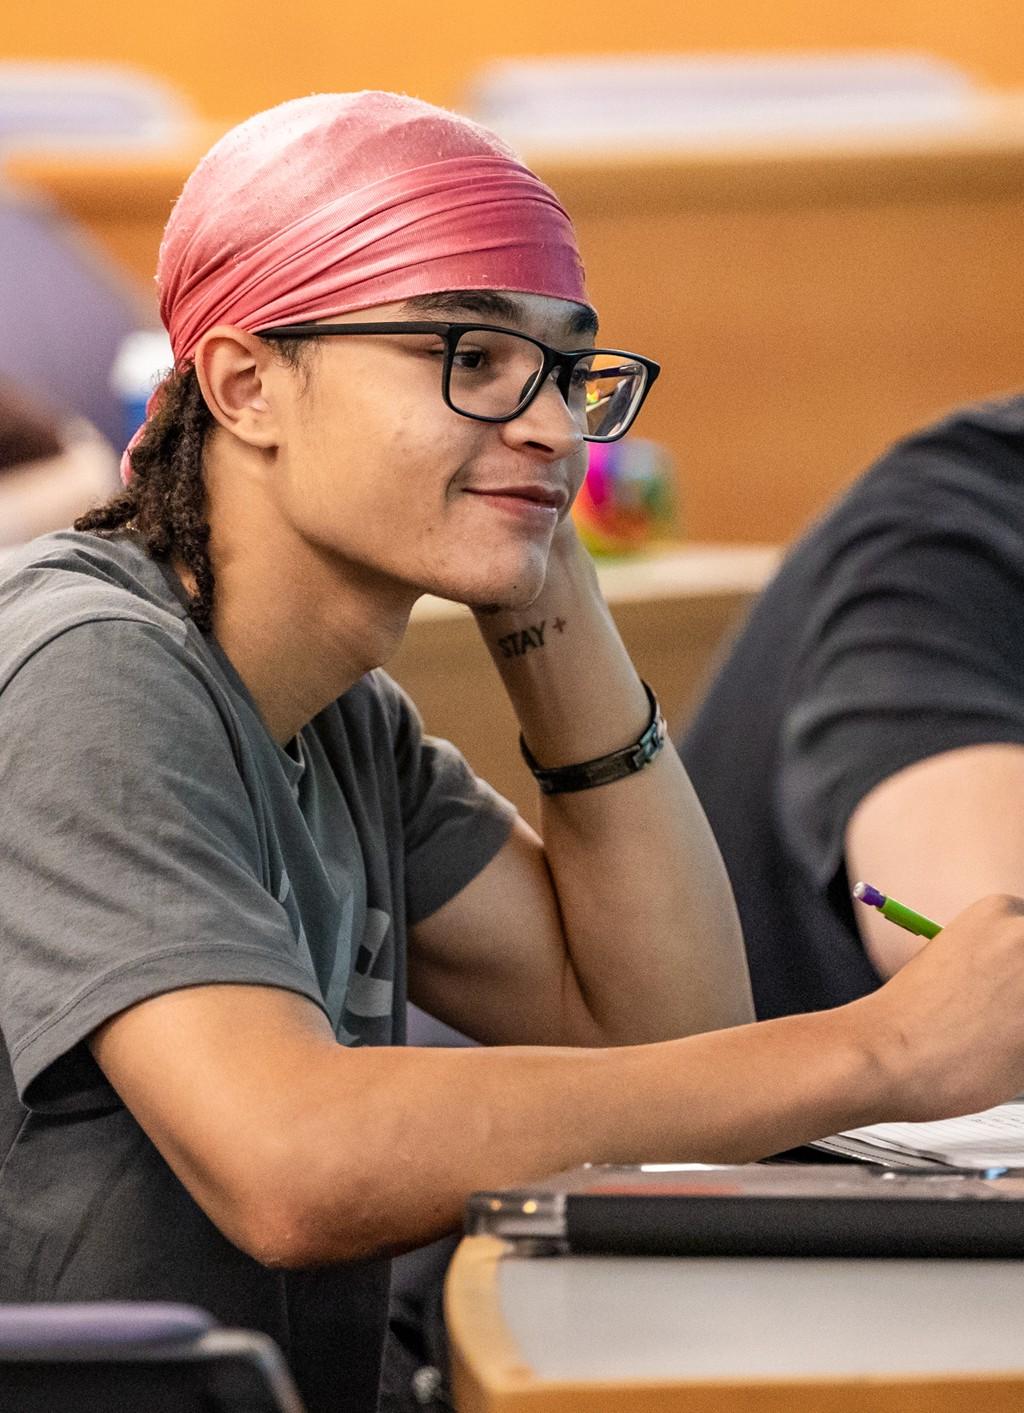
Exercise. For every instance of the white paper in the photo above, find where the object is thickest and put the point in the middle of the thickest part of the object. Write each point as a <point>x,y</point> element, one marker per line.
<point>992,1138</point>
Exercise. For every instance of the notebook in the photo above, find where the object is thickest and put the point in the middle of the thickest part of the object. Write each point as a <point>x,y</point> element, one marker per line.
<point>805,1210</point>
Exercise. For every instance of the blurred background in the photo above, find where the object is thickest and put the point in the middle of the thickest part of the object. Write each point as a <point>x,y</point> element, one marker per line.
<point>232,57</point>
<point>810,212</point>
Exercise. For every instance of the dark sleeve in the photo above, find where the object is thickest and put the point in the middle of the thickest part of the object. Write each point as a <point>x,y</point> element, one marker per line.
<point>454,823</point>
<point>912,650</point>
<point>129,854</point>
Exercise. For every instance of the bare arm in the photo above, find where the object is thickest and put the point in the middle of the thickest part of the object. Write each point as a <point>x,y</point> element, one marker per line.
<point>621,927</point>
<point>935,836</point>
<point>303,1151</point>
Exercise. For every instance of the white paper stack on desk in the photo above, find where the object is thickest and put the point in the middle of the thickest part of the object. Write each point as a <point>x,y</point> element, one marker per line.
<point>991,1139</point>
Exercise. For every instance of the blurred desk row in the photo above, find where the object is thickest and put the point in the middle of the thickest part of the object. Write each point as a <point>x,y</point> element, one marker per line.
<point>810,298</point>
<point>676,611</point>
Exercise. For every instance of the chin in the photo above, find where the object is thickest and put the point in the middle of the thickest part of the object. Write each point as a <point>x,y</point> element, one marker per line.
<point>506,605</point>
<point>493,592</point>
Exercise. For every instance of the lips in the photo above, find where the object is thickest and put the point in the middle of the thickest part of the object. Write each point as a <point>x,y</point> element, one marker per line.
<point>543,496</point>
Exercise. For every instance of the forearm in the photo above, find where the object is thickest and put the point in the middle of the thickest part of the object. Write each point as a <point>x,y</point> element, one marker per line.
<point>648,914</point>
<point>436,1125</point>
<point>304,1151</point>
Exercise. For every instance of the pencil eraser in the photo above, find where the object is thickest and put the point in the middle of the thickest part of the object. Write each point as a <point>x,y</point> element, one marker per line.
<point>866,894</point>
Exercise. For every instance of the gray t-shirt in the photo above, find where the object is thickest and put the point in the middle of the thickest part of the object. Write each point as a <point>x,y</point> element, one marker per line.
<point>153,835</point>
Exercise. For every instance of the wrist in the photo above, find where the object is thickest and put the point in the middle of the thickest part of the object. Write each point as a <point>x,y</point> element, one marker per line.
<point>570,563</point>
<point>604,769</point>
<point>882,1058</point>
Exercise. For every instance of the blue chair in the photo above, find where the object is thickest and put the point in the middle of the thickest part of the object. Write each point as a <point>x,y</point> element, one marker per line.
<point>126,1357</point>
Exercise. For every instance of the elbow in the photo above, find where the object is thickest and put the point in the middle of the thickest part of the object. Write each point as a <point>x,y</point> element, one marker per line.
<point>275,1238</point>
<point>291,1226</point>
<point>290,1240</point>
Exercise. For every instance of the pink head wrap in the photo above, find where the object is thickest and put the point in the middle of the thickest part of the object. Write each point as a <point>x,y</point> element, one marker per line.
<point>343,201</point>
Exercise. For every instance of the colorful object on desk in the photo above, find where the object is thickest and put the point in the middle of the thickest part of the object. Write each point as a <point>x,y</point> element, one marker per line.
<point>896,912</point>
<point>627,501</point>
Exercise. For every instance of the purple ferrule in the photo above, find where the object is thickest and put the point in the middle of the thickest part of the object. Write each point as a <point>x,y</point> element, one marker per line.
<point>866,894</point>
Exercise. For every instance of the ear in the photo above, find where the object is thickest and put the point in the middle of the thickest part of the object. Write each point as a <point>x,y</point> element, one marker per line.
<point>236,372</point>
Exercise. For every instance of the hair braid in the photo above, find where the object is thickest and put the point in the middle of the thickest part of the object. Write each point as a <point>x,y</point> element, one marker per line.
<point>165,500</point>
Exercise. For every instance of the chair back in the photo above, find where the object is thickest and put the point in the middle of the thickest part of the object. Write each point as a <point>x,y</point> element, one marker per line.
<point>127,1357</point>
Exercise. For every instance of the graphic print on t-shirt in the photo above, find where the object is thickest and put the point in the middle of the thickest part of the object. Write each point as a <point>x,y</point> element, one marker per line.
<point>358,994</point>
<point>371,983</point>
<point>286,898</point>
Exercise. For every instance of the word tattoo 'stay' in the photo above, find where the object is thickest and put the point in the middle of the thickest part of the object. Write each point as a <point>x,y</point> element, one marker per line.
<point>520,642</point>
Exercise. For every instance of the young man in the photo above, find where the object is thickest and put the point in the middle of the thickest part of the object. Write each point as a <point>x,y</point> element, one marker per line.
<point>224,833</point>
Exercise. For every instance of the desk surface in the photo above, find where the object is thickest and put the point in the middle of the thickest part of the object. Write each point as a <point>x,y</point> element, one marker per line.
<point>714,1333</point>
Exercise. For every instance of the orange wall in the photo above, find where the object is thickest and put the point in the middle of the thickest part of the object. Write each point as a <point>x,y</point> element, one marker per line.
<point>235,56</point>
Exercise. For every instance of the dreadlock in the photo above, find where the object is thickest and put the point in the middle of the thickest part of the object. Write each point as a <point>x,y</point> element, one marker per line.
<point>165,500</point>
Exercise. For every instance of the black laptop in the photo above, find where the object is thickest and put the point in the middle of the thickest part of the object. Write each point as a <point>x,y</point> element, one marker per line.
<point>799,1209</point>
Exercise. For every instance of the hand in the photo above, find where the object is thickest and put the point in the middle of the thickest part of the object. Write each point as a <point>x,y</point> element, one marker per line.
<point>566,545</point>
<point>949,1026</point>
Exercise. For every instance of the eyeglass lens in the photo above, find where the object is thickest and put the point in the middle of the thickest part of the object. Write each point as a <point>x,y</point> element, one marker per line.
<point>493,374</point>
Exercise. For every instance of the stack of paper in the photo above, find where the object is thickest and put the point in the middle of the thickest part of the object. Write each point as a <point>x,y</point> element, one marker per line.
<point>993,1138</point>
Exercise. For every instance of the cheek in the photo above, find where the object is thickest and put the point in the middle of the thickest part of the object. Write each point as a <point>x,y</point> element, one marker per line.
<point>377,466</point>
<point>338,448</point>
<point>423,457</point>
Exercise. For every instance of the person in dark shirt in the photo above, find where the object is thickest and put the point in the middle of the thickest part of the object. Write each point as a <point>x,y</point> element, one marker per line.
<point>868,722</point>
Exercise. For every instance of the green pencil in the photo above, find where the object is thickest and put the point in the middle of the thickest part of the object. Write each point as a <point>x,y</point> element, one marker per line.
<point>896,912</point>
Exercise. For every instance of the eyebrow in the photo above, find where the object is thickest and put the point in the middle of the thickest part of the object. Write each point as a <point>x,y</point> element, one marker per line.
<point>489,304</point>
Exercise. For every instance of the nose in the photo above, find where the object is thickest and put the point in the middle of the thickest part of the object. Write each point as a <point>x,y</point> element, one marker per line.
<point>547,428</point>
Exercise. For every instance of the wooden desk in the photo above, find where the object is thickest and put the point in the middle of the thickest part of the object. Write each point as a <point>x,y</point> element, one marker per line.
<point>669,1335</point>
<point>811,299</point>
<point>675,610</point>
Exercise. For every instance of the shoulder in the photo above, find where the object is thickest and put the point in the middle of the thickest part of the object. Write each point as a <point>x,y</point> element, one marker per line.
<point>970,461</point>
<point>116,562</point>
<point>933,529</point>
<point>999,422</point>
<point>94,632</point>
<point>952,488</point>
<point>68,581</point>
<point>376,729</point>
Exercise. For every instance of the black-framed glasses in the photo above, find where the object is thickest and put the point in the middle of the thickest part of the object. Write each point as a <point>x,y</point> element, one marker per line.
<point>492,374</point>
